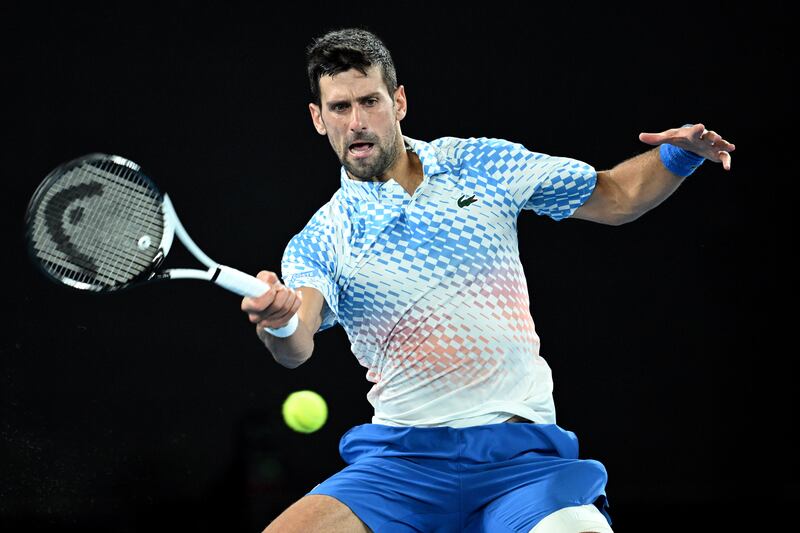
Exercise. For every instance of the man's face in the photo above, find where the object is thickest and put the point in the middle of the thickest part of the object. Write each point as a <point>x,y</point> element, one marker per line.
<point>360,119</point>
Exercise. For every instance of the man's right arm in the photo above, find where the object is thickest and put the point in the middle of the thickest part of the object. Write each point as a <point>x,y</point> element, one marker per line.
<point>274,308</point>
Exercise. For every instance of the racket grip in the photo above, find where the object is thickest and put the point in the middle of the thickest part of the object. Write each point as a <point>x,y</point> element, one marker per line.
<point>239,282</point>
<point>246,285</point>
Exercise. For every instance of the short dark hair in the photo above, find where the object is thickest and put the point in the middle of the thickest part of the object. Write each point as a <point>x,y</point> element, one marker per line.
<point>340,50</point>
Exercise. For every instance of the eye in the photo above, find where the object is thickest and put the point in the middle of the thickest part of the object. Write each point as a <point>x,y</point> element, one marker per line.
<point>372,101</point>
<point>338,107</point>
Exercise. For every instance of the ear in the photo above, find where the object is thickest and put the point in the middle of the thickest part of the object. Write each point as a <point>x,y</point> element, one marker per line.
<point>316,118</point>
<point>400,102</point>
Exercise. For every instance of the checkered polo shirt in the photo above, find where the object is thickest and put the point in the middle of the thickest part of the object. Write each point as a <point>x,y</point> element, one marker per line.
<point>429,287</point>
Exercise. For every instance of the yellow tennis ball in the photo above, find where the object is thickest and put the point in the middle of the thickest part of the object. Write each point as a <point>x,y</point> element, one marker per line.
<point>305,411</point>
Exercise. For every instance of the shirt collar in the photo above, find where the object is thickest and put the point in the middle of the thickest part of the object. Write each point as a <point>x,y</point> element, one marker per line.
<point>433,162</point>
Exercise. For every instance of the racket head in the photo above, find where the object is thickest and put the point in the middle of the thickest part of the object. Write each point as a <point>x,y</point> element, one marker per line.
<point>97,223</point>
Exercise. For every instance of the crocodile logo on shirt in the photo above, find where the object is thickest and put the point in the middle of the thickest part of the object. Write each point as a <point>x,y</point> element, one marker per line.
<point>464,203</point>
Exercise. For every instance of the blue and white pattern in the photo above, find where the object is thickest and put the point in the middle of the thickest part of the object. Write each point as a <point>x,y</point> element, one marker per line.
<point>430,288</point>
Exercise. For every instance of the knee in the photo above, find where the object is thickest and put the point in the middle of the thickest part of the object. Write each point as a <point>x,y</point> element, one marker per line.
<point>317,513</point>
<point>576,519</point>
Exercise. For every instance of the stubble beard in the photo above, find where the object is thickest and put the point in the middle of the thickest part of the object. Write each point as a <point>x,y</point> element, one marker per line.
<point>384,157</point>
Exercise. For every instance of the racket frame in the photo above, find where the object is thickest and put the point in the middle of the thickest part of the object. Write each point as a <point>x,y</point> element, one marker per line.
<point>224,276</point>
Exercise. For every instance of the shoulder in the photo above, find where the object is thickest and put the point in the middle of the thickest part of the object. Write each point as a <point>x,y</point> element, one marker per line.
<point>324,225</point>
<point>461,143</point>
<point>479,150</point>
<point>334,212</point>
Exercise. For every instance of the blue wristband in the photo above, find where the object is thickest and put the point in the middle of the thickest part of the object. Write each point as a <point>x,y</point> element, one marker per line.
<point>679,161</point>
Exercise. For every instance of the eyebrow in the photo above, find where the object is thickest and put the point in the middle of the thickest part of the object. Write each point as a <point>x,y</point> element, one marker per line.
<point>334,103</point>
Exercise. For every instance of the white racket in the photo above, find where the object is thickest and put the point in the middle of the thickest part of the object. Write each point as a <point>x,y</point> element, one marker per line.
<point>97,223</point>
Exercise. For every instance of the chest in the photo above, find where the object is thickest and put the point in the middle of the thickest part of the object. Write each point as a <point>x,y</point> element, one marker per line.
<point>404,244</point>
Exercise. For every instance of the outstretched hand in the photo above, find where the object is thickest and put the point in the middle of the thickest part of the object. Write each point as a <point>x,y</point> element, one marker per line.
<point>696,139</point>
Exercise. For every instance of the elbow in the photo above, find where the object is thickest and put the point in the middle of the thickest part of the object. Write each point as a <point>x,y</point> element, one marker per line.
<point>618,203</point>
<point>293,361</point>
<point>290,364</point>
<point>620,212</point>
<point>621,218</point>
<point>627,207</point>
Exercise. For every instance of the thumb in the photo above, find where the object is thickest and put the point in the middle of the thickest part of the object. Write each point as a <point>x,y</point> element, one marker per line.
<point>652,138</point>
<point>268,277</point>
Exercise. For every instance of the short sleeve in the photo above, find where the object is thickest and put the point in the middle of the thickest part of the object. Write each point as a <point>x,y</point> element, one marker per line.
<point>310,261</point>
<point>548,185</point>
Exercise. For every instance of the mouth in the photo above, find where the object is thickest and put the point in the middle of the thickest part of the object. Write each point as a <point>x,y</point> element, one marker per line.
<point>360,150</point>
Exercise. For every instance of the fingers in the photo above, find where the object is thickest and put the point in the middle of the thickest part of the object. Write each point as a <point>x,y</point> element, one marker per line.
<point>697,139</point>
<point>256,303</point>
<point>725,158</point>
<point>671,134</point>
<point>721,148</point>
<point>714,139</point>
<point>711,137</point>
<point>279,316</point>
<point>270,278</point>
<point>275,307</point>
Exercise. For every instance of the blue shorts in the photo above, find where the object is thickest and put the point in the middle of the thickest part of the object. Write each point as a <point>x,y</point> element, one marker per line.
<point>497,477</point>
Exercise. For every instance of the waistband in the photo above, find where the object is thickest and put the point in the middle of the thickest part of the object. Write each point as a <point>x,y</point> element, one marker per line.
<point>475,444</point>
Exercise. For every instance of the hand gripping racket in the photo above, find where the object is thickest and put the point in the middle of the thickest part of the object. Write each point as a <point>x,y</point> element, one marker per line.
<point>97,223</point>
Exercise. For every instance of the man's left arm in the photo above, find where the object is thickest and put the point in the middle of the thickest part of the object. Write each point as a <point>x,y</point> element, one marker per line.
<point>637,185</point>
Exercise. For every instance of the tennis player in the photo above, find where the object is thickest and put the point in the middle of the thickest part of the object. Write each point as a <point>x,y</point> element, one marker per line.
<point>416,256</point>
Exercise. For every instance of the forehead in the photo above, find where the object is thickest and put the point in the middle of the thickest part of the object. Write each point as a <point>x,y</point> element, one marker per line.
<point>351,84</point>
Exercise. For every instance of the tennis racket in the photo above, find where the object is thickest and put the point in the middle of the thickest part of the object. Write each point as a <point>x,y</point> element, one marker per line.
<point>99,224</point>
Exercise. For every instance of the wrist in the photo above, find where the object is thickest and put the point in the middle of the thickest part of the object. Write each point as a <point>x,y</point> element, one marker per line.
<point>679,161</point>
<point>284,331</point>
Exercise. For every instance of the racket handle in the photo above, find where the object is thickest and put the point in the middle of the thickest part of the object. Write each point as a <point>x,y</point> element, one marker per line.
<point>246,285</point>
<point>239,282</point>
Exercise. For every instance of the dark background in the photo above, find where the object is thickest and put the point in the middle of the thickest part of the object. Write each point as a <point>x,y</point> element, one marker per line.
<point>157,409</point>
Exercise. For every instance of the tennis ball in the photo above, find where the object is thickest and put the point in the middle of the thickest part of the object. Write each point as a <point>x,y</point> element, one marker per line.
<point>305,411</point>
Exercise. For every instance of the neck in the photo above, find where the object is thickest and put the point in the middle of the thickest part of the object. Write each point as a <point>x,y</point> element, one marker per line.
<point>406,170</point>
<point>410,175</point>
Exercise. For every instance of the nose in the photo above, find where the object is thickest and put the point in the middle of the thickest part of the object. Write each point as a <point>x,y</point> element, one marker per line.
<point>356,119</point>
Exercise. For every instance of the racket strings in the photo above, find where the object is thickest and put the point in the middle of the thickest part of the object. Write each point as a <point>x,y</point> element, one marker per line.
<point>106,263</point>
<point>114,242</point>
<point>103,267</point>
<point>103,233</point>
<point>81,241</point>
<point>100,223</point>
